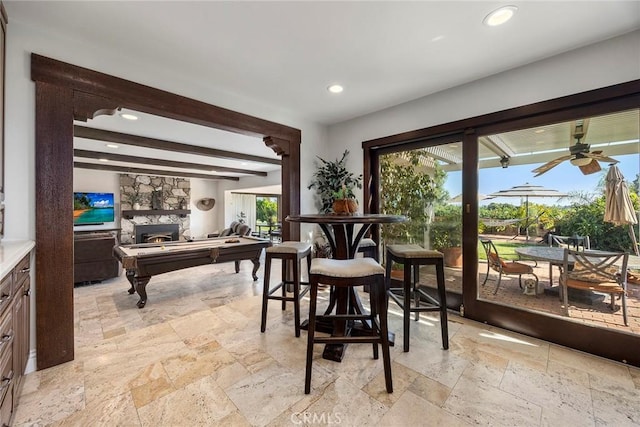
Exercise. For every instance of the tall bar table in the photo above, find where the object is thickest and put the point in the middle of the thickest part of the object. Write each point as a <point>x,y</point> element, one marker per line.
<point>344,232</point>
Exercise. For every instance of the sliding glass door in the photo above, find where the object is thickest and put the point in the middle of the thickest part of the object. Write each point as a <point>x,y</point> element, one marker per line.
<point>501,184</point>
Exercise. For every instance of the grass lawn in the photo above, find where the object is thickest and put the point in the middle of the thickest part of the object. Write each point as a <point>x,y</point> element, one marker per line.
<point>507,250</point>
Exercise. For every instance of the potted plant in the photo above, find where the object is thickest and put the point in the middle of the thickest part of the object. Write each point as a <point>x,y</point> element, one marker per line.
<point>333,181</point>
<point>135,199</point>
<point>446,237</point>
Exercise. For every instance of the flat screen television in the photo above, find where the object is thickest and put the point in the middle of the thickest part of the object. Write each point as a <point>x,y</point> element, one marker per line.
<point>93,208</point>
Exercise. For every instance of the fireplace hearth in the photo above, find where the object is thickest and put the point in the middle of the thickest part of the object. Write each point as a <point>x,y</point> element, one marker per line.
<point>156,233</point>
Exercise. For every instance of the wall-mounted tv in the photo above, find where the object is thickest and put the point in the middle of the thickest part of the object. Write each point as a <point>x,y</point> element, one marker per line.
<point>92,208</point>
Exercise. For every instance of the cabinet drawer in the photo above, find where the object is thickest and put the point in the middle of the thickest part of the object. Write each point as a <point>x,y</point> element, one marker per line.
<point>6,373</point>
<point>6,334</point>
<point>22,270</point>
<point>5,292</point>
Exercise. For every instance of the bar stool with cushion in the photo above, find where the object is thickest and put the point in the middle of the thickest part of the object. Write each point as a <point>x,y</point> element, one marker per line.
<point>368,248</point>
<point>291,254</point>
<point>412,257</point>
<point>349,273</point>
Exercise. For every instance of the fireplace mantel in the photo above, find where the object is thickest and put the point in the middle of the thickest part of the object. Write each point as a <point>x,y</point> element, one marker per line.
<point>129,214</point>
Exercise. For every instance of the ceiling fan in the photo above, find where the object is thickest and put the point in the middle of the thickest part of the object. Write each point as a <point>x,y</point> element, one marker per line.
<point>579,155</point>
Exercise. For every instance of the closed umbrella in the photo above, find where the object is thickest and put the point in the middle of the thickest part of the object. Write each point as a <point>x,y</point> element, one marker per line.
<point>528,190</point>
<point>619,209</point>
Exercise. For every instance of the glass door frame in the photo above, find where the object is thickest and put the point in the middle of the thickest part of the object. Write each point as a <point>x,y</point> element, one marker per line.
<point>616,345</point>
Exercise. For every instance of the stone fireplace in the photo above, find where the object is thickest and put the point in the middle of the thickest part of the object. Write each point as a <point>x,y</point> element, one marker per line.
<point>154,198</point>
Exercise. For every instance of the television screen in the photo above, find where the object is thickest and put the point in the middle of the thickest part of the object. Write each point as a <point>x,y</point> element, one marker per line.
<point>92,208</point>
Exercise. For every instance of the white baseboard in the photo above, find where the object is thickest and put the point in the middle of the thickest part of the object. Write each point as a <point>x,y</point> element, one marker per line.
<point>31,362</point>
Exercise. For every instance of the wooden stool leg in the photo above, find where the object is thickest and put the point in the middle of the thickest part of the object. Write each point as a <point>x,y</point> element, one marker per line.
<point>442,295</point>
<point>384,335</point>
<point>416,295</point>
<point>265,292</point>
<point>310,334</point>
<point>296,297</point>
<point>374,305</point>
<point>284,285</point>
<point>406,310</point>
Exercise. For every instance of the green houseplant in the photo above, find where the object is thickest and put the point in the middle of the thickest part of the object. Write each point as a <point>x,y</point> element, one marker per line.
<point>408,188</point>
<point>445,234</point>
<point>333,181</point>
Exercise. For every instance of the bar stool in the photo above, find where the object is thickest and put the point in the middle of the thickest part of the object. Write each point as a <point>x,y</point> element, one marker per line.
<point>368,248</point>
<point>412,257</point>
<point>349,273</point>
<point>291,254</point>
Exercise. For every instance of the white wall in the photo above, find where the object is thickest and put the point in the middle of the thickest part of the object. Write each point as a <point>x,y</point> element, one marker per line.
<point>603,64</point>
<point>22,40</point>
<point>204,222</point>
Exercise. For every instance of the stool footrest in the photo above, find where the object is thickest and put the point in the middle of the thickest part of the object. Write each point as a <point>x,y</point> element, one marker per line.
<point>362,339</point>
<point>344,317</point>
<point>301,293</point>
<point>434,305</point>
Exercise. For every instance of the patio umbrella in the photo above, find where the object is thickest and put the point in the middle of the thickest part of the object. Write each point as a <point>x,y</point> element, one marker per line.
<point>528,190</point>
<point>619,209</point>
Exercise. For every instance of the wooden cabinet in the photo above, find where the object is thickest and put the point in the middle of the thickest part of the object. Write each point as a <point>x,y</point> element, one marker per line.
<point>15,305</point>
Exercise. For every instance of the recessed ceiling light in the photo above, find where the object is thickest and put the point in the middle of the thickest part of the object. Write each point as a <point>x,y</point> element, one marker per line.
<point>335,88</point>
<point>112,146</point>
<point>128,116</point>
<point>437,38</point>
<point>499,16</point>
<point>103,160</point>
<point>539,131</point>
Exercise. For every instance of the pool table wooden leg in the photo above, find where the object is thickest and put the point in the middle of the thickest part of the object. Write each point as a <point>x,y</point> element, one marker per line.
<point>139,285</point>
<point>256,266</point>
<point>237,266</point>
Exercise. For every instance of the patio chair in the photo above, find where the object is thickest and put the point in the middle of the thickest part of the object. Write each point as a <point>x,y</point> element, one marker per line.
<point>494,262</point>
<point>570,242</point>
<point>604,272</point>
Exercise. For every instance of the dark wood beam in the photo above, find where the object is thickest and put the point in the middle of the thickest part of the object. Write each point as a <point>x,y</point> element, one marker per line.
<point>160,162</point>
<point>159,144</point>
<point>145,171</point>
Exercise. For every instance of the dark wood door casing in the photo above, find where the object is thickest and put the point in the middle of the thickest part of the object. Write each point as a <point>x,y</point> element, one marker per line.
<point>607,343</point>
<point>65,92</point>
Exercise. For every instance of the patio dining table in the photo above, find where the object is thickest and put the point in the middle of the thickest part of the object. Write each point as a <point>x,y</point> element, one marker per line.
<point>555,256</point>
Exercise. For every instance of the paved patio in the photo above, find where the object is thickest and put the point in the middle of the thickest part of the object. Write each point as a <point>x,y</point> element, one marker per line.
<point>509,293</point>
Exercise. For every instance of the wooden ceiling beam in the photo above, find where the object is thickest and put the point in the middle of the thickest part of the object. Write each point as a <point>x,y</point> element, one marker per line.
<point>159,144</point>
<point>125,169</point>
<point>160,162</point>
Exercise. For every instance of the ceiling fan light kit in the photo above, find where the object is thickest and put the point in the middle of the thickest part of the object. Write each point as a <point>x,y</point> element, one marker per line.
<point>581,161</point>
<point>579,154</point>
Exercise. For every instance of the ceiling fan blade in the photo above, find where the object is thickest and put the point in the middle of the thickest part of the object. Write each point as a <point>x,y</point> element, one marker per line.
<point>550,165</point>
<point>590,168</point>
<point>597,156</point>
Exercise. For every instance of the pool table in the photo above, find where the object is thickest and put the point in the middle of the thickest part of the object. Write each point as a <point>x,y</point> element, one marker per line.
<point>142,261</point>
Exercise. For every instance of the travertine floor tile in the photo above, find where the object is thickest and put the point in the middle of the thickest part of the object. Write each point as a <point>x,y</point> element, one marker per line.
<point>194,356</point>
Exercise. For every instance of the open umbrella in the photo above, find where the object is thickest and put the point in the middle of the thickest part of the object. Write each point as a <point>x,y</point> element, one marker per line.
<point>619,209</point>
<point>528,190</point>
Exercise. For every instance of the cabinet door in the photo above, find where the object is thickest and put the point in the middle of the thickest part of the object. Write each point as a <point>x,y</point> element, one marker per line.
<point>21,319</point>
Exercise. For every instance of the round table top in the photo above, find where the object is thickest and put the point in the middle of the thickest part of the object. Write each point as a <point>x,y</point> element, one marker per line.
<point>347,219</point>
<point>556,254</point>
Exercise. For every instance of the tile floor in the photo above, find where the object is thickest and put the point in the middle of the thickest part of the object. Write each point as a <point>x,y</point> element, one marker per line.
<point>195,356</point>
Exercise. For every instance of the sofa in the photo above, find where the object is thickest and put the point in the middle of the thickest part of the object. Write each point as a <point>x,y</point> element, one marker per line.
<point>236,228</point>
<point>93,258</point>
